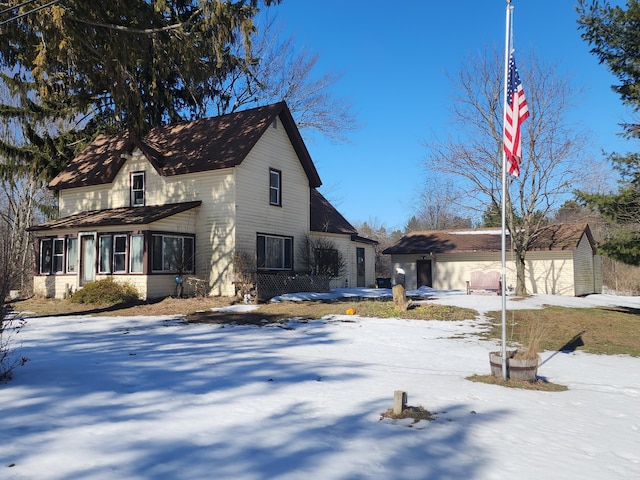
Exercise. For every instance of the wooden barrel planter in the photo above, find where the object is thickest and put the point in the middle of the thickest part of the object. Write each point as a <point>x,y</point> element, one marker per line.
<point>517,368</point>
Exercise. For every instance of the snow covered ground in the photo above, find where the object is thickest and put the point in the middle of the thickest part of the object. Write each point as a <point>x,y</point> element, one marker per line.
<point>152,398</point>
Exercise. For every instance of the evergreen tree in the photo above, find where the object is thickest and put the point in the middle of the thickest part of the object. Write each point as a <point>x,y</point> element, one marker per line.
<point>136,64</point>
<point>621,210</point>
<point>612,33</point>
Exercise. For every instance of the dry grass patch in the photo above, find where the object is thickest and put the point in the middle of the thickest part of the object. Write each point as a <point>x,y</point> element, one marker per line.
<point>539,384</point>
<point>415,413</point>
<point>612,331</point>
<point>277,312</point>
<point>199,309</point>
<point>167,306</point>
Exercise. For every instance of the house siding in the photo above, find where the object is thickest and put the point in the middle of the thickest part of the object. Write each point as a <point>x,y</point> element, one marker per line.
<point>348,250</point>
<point>597,274</point>
<point>584,271</point>
<point>214,225</point>
<point>253,212</point>
<point>549,272</point>
<point>450,272</point>
<point>369,263</point>
<point>159,190</point>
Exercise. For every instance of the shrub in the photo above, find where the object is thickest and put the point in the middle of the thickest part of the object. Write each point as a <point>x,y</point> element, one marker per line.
<point>9,328</point>
<point>106,292</point>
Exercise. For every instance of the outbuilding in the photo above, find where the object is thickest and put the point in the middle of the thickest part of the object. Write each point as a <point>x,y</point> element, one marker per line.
<point>561,261</point>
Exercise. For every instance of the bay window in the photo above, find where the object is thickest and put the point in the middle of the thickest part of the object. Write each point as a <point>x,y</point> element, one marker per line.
<point>119,254</point>
<point>172,253</point>
<point>58,255</point>
<point>104,251</point>
<point>136,253</point>
<point>46,251</point>
<point>51,256</point>
<point>72,255</point>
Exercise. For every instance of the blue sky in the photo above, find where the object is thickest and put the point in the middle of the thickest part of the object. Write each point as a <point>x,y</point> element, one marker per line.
<point>394,56</point>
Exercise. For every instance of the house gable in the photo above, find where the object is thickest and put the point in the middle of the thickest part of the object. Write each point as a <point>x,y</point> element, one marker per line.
<point>256,210</point>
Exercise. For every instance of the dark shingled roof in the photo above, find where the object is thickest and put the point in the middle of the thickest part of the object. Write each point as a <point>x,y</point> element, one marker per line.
<point>188,147</point>
<point>552,237</point>
<point>325,218</point>
<point>117,216</point>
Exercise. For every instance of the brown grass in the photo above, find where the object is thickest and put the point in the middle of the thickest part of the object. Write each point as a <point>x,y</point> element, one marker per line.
<point>416,413</point>
<point>167,306</point>
<point>199,310</point>
<point>282,311</point>
<point>539,384</point>
<point>612,331</point>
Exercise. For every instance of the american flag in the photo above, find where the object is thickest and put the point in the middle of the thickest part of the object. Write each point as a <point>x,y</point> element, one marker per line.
<point>517,112</point>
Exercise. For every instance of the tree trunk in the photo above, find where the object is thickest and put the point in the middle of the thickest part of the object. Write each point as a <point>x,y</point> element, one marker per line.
<point>521,286</point>
<point>400,298</point>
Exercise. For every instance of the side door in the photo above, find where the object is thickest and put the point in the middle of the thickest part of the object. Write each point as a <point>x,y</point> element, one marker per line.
<point>360,266</point>
<point>425,278</point>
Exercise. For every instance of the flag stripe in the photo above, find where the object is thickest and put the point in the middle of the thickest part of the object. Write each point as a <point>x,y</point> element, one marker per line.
<point>517,112</point>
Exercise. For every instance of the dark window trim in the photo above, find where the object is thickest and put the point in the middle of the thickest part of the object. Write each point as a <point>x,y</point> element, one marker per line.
<point>109,254</point>
<point>125,253</point>
<point>277,189</point>
<point>145,249</point>
<point>132,198</point>
<point>150,243</point>
<point>290,251</point>
<point>51,261</point>
<point>66,254</point>
<point>58,259</point>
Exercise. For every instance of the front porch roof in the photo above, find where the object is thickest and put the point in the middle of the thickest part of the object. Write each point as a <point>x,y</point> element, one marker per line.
<point>116,217</point>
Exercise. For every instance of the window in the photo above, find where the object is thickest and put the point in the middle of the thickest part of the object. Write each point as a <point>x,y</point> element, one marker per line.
<point>327,262</point>
<point>136,252</point>
<point>46,251</point>
<point>104,262</point>
<point>275,187</point>
<point>72,255</point>
<point>137,189</point>
<point>58,255</point>
<point>119,254</point>
<point>51,255</point>
<point>173,253</point>
<point>275,253</point>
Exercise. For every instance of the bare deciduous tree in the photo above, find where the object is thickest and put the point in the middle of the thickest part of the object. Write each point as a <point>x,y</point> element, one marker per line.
<point>553,147</point>
<point>282,73</point>
<point>320,256</point>
<point>437,208</point>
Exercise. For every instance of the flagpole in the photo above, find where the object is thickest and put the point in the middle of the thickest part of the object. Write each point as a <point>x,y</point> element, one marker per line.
<point>507,51</point>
